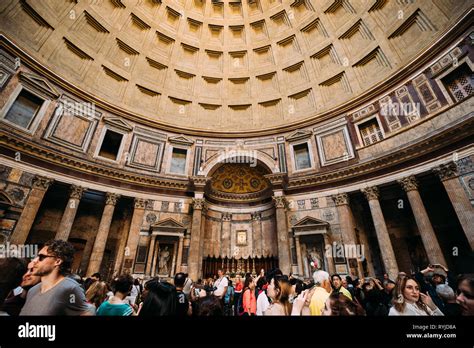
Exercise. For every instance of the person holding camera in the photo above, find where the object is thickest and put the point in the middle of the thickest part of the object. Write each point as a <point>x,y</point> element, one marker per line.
<point>432,276</point>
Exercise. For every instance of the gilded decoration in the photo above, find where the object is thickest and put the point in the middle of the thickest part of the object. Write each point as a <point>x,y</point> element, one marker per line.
<point>239,179</point>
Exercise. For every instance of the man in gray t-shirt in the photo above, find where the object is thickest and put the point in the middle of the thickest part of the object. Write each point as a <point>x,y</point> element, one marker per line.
<point>56,294</point>
<point>65,298</point>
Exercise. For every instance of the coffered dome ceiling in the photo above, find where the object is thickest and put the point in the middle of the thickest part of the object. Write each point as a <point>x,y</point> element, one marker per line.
<point>230,66</point>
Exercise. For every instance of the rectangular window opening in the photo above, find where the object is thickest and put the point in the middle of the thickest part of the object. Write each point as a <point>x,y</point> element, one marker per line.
<point>111,145</point>
<point>24,109</point>
<point>302,158</point>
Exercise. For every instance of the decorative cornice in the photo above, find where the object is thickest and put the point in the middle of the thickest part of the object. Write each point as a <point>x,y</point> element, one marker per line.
<point>278,180</point>
<point>371,193</point>
<point>140,203</point>
<point>447,171</point>
<point>41,183</point>
<point>409,183</point>
<point>280,202</point>
<point>75,192</point>
<point>199,203</point>
<point>111,198</point>
<point>199,182</point>
<point>341,199</point>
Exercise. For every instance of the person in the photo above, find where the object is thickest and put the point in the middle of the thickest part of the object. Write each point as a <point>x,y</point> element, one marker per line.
<point>338,304</point>
<point>239,285</point>
<point>187,286</point>
<point>116,306</point>
<point>160,299</point>
<point>446,293</point>
<point>220,285</point>
<point>249,300</point>
<point>209,306</point>
<point>96,277</point>
<point>134,294</point>
<point>336,282</point>
<point>262,298</point>
<point>408,300</point>
<point>279,290</point>
<point>229,299</point>
<point>465,291</point>
<point>183,307</point>
<point>12,270</point>
<point>16,300</point>
<point>56,294</point>
<point>374,298</point>
<point>430,277</point>
<point>320,292</point>
<point>164,257</point>
<point>96,294</point>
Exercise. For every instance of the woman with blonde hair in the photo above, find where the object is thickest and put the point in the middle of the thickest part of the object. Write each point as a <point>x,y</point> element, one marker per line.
<point>97,293</point>
<point>408,300</point>
<point>279,291</point>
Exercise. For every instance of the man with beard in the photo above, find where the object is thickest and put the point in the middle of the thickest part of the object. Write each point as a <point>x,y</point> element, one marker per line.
<point>16,300</point>
<point>56,294</point>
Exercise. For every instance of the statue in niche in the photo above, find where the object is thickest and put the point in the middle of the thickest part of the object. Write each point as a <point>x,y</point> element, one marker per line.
<point>163,263</point>
<point>314,259</point>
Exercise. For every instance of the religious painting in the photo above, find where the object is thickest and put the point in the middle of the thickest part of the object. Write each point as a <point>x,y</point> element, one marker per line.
<point>341,269</point>
<point>241,237</point>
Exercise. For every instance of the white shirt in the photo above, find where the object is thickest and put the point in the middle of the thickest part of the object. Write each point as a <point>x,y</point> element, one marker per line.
<point>262,303</point>
<point>221,285</point>
<point>412,309</point>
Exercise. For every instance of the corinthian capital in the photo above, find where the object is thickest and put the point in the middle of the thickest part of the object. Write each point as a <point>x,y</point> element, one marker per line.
<point>280,202</point>
<point>199,203</point>
<point>409,183</point>
<point>42,183</point>
<point>447,171</point>
<point>111,198</point>
<point>341,199</point>
<point>371,192</point>
<point>140,203</point>
<point>76,192</point>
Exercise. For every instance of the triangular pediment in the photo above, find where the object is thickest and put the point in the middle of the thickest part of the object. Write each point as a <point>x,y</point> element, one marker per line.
<point>5,199</point>
<point>168,223</point>
<point>309,221</point>
<point>181,139</point>
<point>39,84</point>
<point>299,134</point>
<point>118,123</point>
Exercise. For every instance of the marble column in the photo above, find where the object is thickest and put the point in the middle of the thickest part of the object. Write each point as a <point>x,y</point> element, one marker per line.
<point>346,220</point>
<point>257,233</point>
<point>284,258</point>
<point>179,259</point>
<point>102,233</point>
<point>428,236</point>
<point>385,245</point>
<point>151,253</point>
<point>32,205</point>
<point>69,214</point>
<point>299,257</point>
<point>173,263</point>
<point>125,228</point>
<point>449,176</point>
<point>194,253</point>
<point>140,205</point>
<point>226,223</point>
<point>330,261</point>
<point>155,258</point>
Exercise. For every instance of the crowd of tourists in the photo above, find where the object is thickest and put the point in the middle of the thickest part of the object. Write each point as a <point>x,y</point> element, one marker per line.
<point>44,286</point>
